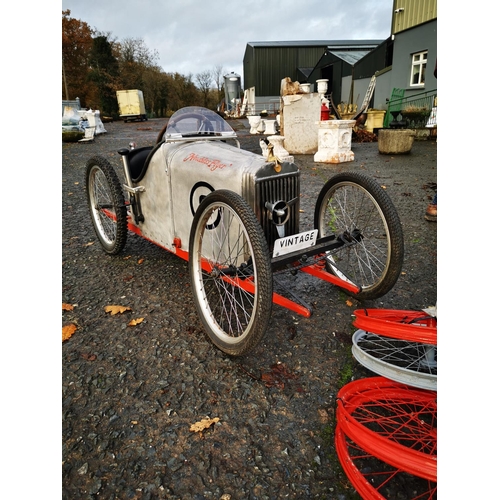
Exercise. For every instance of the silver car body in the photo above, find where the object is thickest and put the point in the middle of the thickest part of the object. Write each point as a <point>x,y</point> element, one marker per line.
<point>186,167</point>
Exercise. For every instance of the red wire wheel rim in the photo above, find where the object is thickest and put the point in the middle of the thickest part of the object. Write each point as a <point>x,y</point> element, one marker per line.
<point>394,422</point>
<point>415,326</point>
<point>369,483</point>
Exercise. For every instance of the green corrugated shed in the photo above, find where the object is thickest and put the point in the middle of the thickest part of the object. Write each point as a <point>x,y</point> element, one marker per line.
<point>265,64</point>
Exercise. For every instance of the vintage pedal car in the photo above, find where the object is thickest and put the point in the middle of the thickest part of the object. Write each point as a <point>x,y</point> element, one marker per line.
<point>234,216</point>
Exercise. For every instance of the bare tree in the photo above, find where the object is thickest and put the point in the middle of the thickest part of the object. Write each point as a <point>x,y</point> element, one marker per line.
<point>204,81</point>
<point>218,76</point>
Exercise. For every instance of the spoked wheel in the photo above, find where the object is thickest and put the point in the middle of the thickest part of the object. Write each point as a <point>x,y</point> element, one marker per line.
<point>416,326</point>
<point>411,363</point>
<point>106,204</point>
<point>374,479</point>
<point>357,210</point>
<point>393,422</point>
<point>230,270</point>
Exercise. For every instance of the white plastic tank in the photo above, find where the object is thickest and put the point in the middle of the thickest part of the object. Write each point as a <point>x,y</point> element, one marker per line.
<point>232,90</point>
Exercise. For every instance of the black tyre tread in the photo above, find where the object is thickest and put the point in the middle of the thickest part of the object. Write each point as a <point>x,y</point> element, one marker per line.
<point>118,201</point>
<point>393,223</point>
<point>262,260</point>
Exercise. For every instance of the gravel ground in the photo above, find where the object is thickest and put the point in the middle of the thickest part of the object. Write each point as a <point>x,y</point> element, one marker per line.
<point>130,394</point>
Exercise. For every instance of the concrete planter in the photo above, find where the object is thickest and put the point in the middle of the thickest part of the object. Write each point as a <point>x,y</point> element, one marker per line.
<point>375,119</point>
<point>421,134</point>
<point>254,122</point>
<point>395,142</point>
<point>72,136</point>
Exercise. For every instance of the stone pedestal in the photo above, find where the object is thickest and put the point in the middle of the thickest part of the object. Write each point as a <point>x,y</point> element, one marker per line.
<point>334,141</point>
<point>270,127</point>
<point>299,116</point>
<point>254,122</point>
<point>278,149</point>
<point>395,142</point>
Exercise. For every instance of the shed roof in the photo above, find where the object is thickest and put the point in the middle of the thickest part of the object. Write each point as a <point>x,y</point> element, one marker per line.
<point>350,57</point>
<point>318,43</point>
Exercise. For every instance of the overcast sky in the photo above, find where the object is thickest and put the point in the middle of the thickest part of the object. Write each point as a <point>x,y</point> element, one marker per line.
<point>192,36</point>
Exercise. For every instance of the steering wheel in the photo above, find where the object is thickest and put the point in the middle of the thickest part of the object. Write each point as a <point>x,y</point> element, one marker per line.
<point>206,125</point>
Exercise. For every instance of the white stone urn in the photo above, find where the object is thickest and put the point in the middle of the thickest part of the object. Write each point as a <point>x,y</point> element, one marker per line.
<point>322,86</point>
<point>254,122</point>
<point>334,141</point>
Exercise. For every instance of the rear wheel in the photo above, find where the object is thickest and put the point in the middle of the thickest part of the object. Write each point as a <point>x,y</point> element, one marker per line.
<point>230,270</point>
<point>106,204</point>
<point>356,209</point>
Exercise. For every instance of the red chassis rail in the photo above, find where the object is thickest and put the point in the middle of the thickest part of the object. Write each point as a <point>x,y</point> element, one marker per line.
<point>249,286</point>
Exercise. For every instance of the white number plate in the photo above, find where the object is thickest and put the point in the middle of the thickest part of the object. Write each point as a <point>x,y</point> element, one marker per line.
<point>299,241</point>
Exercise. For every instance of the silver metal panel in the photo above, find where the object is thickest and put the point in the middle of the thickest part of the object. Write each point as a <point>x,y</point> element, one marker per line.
<point>180,175</point>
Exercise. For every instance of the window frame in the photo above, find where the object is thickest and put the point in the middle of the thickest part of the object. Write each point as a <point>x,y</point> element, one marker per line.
<point>421,66</point>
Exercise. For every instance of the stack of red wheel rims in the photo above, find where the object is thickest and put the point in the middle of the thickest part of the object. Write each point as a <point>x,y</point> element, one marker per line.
<point>386,434</point>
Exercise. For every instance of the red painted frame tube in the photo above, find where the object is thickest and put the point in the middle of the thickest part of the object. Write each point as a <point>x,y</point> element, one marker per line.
<point>326,276</point>
<point>246,285</point>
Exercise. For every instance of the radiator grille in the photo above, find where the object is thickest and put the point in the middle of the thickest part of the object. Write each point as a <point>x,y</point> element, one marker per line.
<point>284,187</point>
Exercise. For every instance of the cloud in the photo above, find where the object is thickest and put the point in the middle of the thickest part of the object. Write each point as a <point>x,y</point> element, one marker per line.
<point>192,36</point>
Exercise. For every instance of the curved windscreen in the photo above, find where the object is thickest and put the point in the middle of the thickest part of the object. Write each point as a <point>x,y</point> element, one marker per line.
<point>195,121</point>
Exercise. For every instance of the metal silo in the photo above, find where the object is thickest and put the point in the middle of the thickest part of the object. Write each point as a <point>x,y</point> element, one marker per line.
<point>232,90</point>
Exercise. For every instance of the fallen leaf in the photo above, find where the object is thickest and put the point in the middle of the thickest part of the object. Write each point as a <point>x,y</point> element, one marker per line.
<point>68,330</point>
<point>89,356</point>
<point>278,375</point>
<point>140,261</point>
<point>348,302</point>
<point>134,322</point>
<point>116,309</point>
<point>134,422</point>
<point>89,243</point>
<point>203,424</point>
<point>67,307</point>
<point>76,183</point>
<point>383,187</point>
<point>127,257</point>
<point>323,415</point>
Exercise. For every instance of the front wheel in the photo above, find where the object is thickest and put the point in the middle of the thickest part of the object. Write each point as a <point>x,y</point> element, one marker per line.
<point>230,269</point>
<point>356,209</point>
<point>106,204</point>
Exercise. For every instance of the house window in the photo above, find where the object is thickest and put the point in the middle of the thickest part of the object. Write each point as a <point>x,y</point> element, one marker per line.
<point>418,65</point>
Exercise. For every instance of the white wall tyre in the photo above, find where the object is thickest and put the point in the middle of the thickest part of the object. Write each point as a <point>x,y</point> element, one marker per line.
<point>227,246</point>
